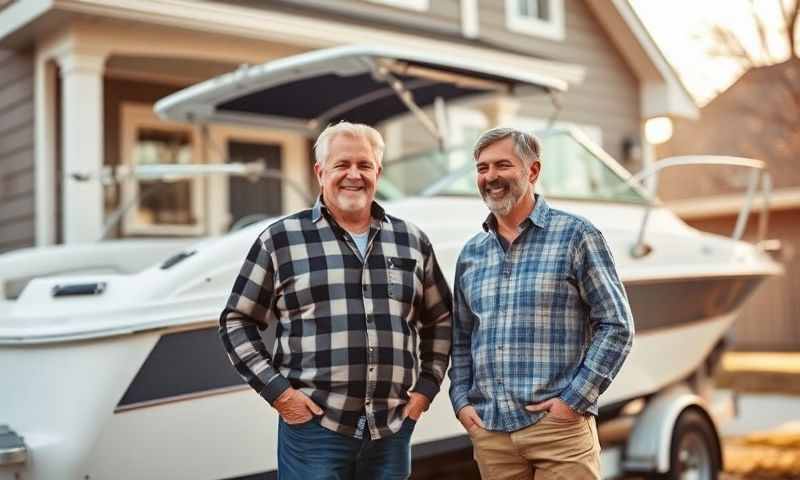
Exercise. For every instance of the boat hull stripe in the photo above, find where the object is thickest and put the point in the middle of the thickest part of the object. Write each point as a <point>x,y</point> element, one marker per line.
<point>187,364</point>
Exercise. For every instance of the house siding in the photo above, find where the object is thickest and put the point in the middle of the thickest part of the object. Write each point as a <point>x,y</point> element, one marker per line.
<point>608,97</point>
<point>17,201</point>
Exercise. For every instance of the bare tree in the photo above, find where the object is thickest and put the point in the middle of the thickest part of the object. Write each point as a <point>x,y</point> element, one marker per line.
<point>791,13</point>
<point>726,43</point>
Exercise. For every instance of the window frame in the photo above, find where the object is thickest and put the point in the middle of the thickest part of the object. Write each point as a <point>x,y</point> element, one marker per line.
<point>552,29</point>
<point>210,202</point>
<point>416,5</point>
<point>133,117</point>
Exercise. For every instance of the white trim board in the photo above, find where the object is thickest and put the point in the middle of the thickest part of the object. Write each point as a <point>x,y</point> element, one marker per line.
<point>418,5</point>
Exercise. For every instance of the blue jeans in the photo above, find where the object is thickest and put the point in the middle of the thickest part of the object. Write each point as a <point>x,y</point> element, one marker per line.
<point>310,451</point>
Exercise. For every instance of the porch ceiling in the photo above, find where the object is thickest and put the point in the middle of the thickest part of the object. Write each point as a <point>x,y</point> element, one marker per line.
<point>173,70</point>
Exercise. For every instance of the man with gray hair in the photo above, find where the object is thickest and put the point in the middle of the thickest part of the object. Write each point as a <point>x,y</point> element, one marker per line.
<point>363,318</point>
<point>541,325</point>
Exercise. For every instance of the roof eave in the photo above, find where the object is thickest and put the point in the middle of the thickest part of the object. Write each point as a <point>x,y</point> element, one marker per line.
<point>21,20</point>
<point>663,92</point>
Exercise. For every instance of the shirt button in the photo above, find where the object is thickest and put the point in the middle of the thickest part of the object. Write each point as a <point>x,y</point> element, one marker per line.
<point>369,318</point>
<point>367,402</point>
<point>499,381</point>
<point>371,349</point>
<point>371,369</point>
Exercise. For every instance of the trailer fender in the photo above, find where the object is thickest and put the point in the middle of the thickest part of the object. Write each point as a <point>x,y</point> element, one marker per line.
<point>648,447</point>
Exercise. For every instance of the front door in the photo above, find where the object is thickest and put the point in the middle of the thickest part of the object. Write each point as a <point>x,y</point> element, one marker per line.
<point>251,201</point>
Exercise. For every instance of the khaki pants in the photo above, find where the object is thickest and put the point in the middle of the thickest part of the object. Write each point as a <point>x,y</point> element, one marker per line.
<point>550,449</point>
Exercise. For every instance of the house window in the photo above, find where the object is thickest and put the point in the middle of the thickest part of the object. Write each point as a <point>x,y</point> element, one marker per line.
<point>544,18</point>
<point>160,207</point>
<point>418,5</point>
<point>207,204</point>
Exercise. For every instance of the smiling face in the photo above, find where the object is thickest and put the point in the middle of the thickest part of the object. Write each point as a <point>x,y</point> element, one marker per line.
<point>503,178</point>
<point>349,175</point>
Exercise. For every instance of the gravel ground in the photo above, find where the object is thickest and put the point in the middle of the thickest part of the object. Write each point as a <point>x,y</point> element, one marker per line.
<point>771,455</point>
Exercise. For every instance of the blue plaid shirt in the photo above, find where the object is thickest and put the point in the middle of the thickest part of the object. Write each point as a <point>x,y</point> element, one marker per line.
<point>545,317</point>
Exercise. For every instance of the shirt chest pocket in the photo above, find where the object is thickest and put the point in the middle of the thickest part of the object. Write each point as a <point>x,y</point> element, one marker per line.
<point>402,278</point>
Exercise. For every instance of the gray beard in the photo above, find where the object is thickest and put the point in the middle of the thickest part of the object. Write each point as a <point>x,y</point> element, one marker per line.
<point>503,206</point>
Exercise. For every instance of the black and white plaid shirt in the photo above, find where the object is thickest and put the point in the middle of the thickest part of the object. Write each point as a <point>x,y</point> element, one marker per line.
<point>355,335</point>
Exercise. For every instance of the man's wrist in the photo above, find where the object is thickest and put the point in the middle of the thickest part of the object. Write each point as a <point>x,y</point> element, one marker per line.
<point>458,412</point>
<point>426,387</point>
<point>574,400</point>
<point>274,389</point>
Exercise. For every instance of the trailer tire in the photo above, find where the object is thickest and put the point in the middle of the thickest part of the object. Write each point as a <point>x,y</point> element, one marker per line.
<point>694,448</point>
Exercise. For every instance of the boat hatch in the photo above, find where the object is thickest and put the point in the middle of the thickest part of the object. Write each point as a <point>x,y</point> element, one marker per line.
<point>76,289</point>
<point>176,259</point>
<point>363,84</point>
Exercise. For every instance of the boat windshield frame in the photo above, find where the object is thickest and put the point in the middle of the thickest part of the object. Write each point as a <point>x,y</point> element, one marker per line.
<point>438,188</point>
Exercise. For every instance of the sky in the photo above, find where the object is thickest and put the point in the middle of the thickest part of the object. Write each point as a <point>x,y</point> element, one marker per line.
<point>681,27</point>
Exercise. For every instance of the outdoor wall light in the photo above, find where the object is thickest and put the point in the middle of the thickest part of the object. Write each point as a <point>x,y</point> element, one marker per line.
<point>658,130</point>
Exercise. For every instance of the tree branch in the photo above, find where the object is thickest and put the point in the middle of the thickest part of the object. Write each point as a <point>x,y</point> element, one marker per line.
<point>790,18</point>
<point>762,30</point>
<point>728,44</point>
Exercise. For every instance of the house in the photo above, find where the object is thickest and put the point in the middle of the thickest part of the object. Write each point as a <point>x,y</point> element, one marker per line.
<point>758,117</point>
<point>78,79</point>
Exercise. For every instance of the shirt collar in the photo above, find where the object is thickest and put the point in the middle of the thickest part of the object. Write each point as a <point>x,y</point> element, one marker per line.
<point>377,212</point>
<point>538,216</point>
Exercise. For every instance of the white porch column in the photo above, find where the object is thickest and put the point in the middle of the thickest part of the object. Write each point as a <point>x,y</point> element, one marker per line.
<point>82,144</point>
<point>45,120</point>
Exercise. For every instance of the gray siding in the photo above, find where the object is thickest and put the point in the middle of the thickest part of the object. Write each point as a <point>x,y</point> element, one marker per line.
<point>609,94</point>
<point>607,98</point>
<point>443,17</point>
<point>16,151</point>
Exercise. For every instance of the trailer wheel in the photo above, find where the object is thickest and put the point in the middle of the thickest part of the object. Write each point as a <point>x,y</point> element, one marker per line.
<point>694,450</point>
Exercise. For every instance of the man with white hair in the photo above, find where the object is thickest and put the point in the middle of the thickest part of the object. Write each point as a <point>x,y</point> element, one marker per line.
<point>363,317</point>
<point>541,324</point>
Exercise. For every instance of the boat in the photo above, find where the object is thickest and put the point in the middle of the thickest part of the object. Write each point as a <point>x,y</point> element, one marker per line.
<point>121,374</point>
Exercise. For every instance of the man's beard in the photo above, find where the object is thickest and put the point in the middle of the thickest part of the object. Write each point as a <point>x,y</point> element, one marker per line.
<point>352,203</point>
<point>503,206</point>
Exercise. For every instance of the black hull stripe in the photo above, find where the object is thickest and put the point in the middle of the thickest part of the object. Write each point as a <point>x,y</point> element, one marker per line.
<point>186,364</point>
<point>672,303</point>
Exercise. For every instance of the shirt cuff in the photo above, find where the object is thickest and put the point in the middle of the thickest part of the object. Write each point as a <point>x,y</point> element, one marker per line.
<point>575,399</point>
<point>427,387</point>
<point>274,388</point>
<point>459,404</point>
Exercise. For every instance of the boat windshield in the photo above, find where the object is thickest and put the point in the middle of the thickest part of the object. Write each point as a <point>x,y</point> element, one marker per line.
<point>572,168</point>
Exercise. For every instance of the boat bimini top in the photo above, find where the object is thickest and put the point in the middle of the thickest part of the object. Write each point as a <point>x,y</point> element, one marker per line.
<point>360,84</point>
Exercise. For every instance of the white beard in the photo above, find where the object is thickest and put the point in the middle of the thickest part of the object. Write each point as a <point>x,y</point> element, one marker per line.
<point>350,204</point>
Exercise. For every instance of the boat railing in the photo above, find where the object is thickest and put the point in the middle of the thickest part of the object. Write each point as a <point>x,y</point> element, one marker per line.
<point>168,173</point>
<point>759,181</point>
